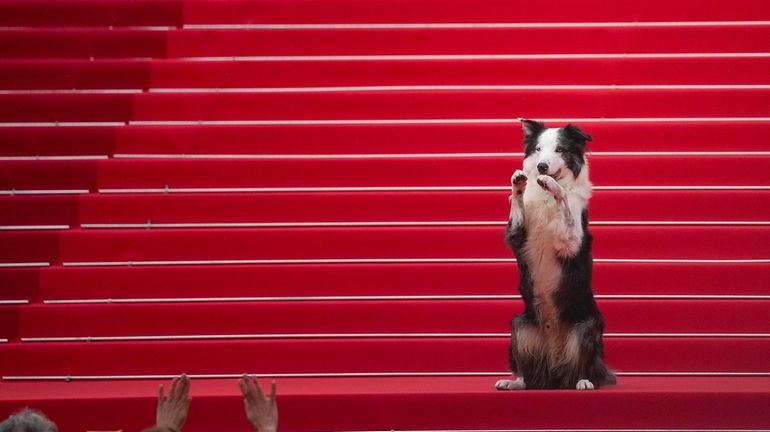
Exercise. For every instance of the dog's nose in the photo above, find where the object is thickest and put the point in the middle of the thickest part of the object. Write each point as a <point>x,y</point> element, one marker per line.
<point>542,168</point>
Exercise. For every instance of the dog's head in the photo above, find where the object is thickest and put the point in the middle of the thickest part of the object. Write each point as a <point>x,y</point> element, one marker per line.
<point>556,152</point>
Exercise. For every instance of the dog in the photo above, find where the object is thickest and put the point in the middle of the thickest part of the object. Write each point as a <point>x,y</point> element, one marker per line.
<point>556,343</point>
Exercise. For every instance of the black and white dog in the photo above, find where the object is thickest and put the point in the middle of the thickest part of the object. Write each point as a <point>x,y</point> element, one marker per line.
<point>557,342</point>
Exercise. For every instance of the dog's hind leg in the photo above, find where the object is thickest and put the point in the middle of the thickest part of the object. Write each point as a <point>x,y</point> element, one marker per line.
<point>525,343</point>
<point>591,370</point>
<point>514,384</point>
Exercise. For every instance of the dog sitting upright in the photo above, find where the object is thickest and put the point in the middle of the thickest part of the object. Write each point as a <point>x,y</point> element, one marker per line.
<point>557,342</point>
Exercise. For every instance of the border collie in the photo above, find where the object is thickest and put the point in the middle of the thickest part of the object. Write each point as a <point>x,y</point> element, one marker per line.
<point>557,342</point>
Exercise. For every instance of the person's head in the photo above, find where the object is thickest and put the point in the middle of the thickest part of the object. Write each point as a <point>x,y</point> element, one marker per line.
<point>28,420</point>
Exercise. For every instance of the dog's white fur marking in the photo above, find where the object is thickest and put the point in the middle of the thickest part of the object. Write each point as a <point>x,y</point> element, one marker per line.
<point>518,184</point>
<point>584,384</point>
<point>517,384</point>
<point>529,340</point>
<point>570,350</point>
<point>553,216</point>
<point>547,143</point>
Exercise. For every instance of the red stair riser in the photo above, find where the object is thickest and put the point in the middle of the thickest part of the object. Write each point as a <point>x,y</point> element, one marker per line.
<point>74,74</point>
<point>9,322</point>
<point>372,105</point>
<point>299,73</point>
<point>367,207</point>
<point>40,210</point>
<point>53,43</point>
<point>446,138</point>
<point>363,356</point>
<point>134,43</point>
<point>58,283</point>
<point>453,11</point>
<point>91,13</point>
<point>382,139</point>
<point>19,284</point>
<point>397,172</point>
<point>144,74</point>
<point>65,107</point>
<point>378,317</point>
<point>448,104</point>
<point>190,43</point>
<point>691,242</point>
<point>411,206</point>
<point>57,141</point>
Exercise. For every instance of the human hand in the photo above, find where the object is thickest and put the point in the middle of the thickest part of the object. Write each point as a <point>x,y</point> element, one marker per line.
<point>261,411</point>
<point>172,409</point>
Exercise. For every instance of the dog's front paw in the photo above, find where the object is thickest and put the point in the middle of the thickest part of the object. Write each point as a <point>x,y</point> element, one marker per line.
<point>518,182</point>
<point>517,384</point>
<point>552,186</point>
<point>584,384</point>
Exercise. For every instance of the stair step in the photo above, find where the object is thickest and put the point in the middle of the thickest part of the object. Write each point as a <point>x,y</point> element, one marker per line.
<point>159,74</point>
<point>341,208</point>
<point>390,280</point>
<point>176,12</point>
<point>15,13</point>
<point>370,243</point>
<point>395,105</point>
<point>372,139</point>
<point>387,356</point>
<point>57,141</point>
<point>62,43</point>
<point>441,11</point>
<point>559,71</point>
<point>588,40</point>
<point>143,43</point>
<point>375,317</point>
<point>387,281</point>
<point>488,172</point>
<point>74,74</point>
<point>19,284</point>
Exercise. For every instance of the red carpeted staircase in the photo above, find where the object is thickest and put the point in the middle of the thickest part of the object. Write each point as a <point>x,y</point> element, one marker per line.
<point>316,191</point>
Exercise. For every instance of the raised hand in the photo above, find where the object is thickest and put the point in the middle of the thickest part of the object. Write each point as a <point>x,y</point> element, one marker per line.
<point>261,411</point>
<point>172,409</point>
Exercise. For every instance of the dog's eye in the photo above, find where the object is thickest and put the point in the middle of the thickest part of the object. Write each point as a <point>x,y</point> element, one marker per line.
<point>537,149</point>
<point>558,150</point>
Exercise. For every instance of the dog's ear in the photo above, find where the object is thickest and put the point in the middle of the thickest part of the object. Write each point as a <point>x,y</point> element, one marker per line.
<point>577,134</point>
<point>531,127</point>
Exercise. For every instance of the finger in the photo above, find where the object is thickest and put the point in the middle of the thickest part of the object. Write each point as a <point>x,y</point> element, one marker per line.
<point>250,393</point>
<point>160,395</point>
<point>260,393</point>
<point>172,390</point>
<point>272,391</point>
<point>179,387</point>
<point>243,387</point>
<point>185,391</point>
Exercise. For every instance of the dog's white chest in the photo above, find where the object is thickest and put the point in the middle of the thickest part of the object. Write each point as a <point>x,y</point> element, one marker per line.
<point>540,213</point>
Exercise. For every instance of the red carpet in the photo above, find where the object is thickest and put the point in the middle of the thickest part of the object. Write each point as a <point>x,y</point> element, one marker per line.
<point>464,403</point>
<point>316,191</point>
